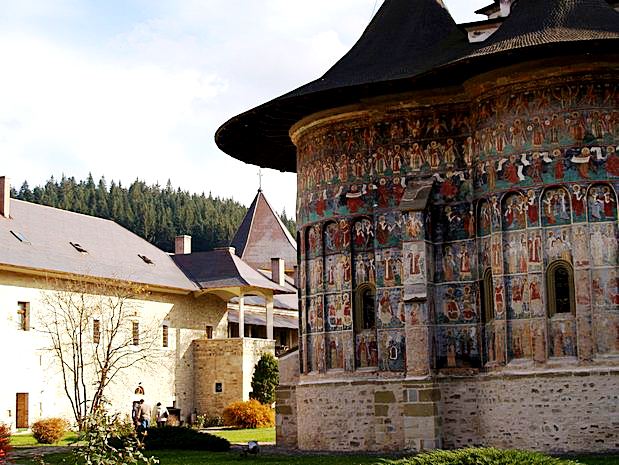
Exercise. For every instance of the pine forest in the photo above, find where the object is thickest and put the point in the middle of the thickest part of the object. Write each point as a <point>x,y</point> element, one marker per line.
<point>156,213</point>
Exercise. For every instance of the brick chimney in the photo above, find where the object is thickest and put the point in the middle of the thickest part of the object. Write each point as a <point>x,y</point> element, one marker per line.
<point>182,245</point>
<point>278,273</point>
<point>5,197</point>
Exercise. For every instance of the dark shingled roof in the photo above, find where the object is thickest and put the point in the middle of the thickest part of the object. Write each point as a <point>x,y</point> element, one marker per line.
<point>405,38</point>
<point>542,22</point>
<point>111,251</point>
<point>263,236</point>
<point>221,268</point>
<point>414,44</point>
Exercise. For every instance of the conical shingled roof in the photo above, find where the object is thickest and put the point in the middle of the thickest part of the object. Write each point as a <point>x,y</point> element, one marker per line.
<point>263,236</point>
<point>405,38</point>
<point>545,22</point>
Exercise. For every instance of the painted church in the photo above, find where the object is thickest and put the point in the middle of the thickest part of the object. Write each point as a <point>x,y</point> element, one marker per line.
<point>457,231</point>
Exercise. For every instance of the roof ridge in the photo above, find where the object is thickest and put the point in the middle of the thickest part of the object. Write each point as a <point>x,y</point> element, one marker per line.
<point>239,232</point>
<point>42,205</point>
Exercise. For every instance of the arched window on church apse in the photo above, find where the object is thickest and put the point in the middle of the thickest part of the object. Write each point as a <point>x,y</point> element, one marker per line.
<point>364,288</point>
<point>560,288</point>
<point>561,309</point>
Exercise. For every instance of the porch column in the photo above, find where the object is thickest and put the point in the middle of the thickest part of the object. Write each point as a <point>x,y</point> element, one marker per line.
<point>242,315</point>
<point>269,301</point>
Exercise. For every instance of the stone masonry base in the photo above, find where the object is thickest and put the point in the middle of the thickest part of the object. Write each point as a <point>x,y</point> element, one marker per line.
<point>558,412</point>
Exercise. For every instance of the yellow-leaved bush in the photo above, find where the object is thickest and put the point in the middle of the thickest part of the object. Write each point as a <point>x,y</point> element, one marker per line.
<point>49,430</point>
<point>250,414</point>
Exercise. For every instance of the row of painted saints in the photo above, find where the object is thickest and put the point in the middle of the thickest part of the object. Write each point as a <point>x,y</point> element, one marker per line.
<point>457,185</point>
<point>527,167</point>
<point>542,115</point>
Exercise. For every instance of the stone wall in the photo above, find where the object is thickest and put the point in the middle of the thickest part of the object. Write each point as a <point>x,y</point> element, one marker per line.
<point>560,412</point>
<point>227,363</point>
<point>568,411</point>
<point>368,415</point>
<point>286,403</point>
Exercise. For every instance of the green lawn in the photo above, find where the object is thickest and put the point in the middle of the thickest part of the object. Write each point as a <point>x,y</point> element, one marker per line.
<point>27,440</point>
<point>223,458</point>
<point>245,435</point>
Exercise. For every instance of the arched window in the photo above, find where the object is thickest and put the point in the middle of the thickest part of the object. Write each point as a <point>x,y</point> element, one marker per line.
<point>486,297</point>
<point>365,307</point>
<point>560,287</point>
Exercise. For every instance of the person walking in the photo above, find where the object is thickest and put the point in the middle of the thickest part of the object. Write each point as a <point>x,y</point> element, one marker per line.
<point>161,415</point>
<point>135,413</point>
<point>144,415</point>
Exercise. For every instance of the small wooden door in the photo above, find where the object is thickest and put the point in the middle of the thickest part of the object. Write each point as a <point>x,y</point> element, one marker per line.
<point>21,412</point>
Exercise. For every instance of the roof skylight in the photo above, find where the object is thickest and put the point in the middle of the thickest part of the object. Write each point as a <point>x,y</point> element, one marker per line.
<point>20,237</point>
<point>145,259</point>
<point>78,247</point>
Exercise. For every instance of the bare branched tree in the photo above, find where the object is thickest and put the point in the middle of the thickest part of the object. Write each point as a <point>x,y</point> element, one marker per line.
<point>93,335</point>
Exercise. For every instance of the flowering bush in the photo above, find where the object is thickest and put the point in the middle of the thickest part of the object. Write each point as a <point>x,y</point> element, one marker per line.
<point>250,414</point>
<point>5,442</point>
<point>49,430</point>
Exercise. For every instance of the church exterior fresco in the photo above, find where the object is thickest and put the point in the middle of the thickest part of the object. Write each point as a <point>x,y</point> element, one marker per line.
<point>521,178</point>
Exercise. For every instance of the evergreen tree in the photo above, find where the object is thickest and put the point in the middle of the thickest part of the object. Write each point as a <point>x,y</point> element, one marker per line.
<point>265,379</point>
<point>155,213</point>
<point>25,193</point>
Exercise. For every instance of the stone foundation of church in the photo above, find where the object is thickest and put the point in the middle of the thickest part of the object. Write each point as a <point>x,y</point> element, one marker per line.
<point>559,412</point>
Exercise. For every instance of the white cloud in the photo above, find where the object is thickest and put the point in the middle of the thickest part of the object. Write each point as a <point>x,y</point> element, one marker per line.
<point>145,103</point>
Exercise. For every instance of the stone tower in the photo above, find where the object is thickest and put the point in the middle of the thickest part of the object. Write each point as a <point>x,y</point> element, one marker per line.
<point>457,229</point>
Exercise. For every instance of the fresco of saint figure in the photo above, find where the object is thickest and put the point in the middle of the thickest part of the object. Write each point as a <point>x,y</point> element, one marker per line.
<point>556,207</point>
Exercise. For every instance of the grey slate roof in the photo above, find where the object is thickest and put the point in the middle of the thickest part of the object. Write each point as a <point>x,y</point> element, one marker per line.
<point>222,268</point>
<point>112,251</point>
<point>263,236</point>
<point>414,44</point>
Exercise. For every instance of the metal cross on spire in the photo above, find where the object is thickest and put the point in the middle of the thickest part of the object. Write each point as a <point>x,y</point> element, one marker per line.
<point>260,179</point>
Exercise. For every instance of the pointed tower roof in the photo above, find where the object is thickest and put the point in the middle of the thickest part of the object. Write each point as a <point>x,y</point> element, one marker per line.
<point>263,236</point>
<point>404,39</point>
<point>535,23</point>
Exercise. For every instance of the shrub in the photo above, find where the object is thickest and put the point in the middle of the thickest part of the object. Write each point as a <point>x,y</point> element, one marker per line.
<point>110,441</point>
<point>49,430</point>
<point>173,420</point>
<point>265,379</point>
<point>209,421</point>
<point>178,437</point>
<point>250,414</point>
<point>481,456</point>
<point>5,442</point>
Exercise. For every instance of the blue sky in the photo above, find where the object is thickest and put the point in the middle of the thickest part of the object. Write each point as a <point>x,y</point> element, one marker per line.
<point>137,88</point>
